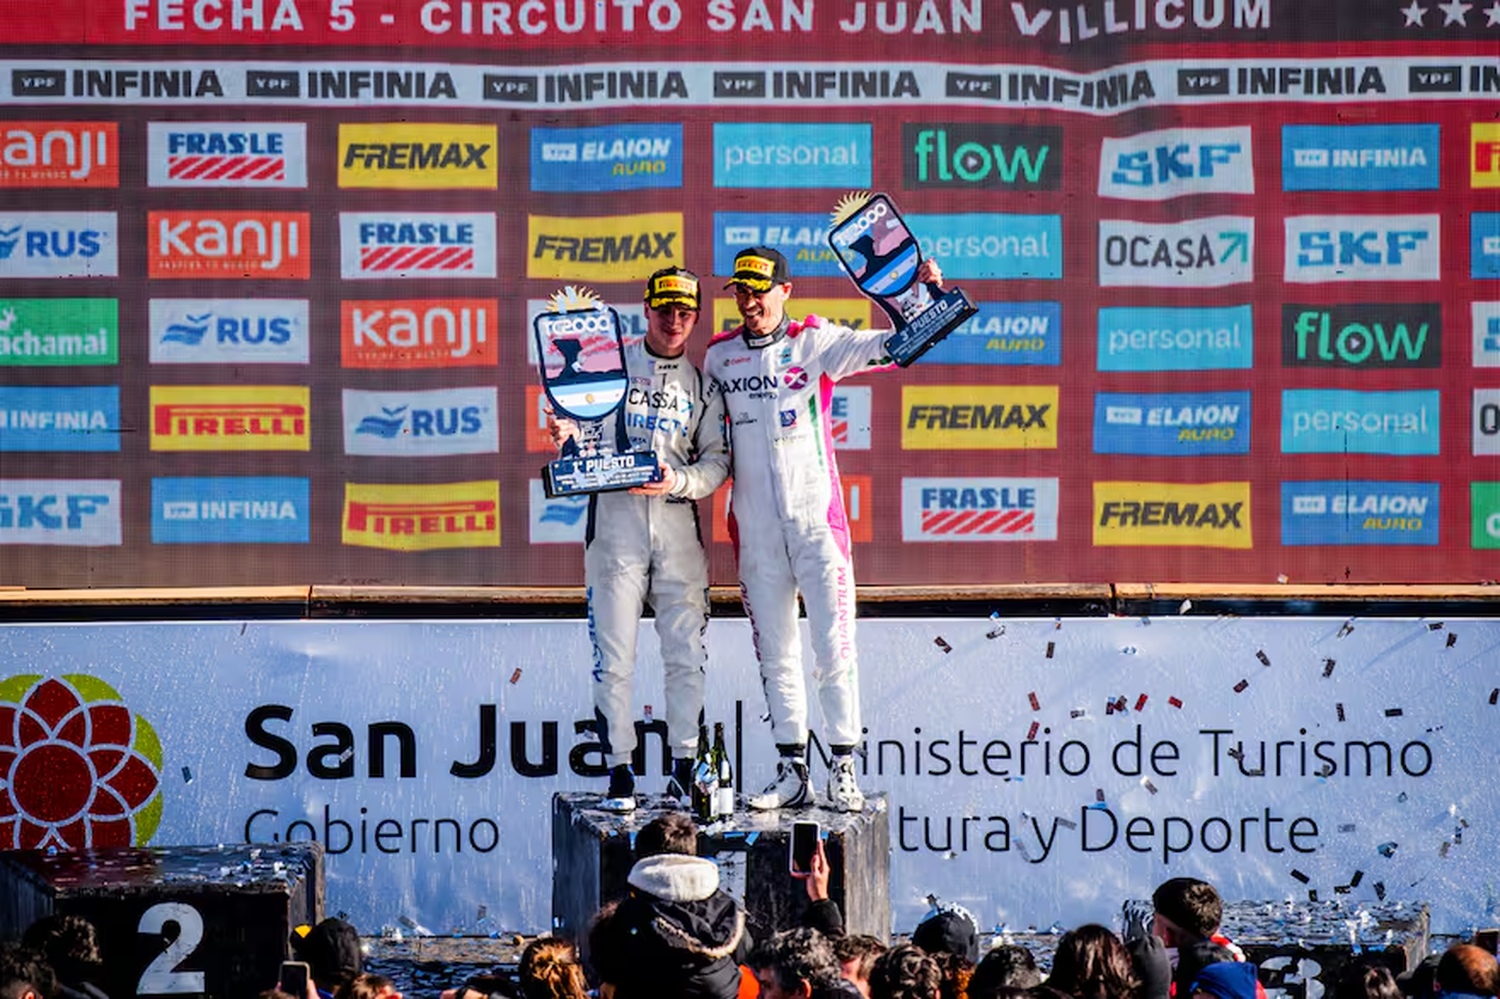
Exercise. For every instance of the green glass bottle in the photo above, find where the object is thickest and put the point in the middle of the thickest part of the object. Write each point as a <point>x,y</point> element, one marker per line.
<point>724,804</point>
<point>705,780</point>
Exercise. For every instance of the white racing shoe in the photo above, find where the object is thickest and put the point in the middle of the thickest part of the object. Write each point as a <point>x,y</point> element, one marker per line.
<point>790,789</point>
<point>844,794</point>
<point>620,798</point>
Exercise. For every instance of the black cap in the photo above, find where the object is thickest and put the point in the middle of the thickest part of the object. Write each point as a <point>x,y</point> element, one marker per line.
<point>760,268</point>
<point>331,950</point>
<point>949,930</point>
<point>672,286</point>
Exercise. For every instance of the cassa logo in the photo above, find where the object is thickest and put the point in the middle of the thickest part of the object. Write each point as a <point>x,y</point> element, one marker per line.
<point>60,419</point>
<point>1174,162</point>
<point>436,333</point>
<point>1484,244</point>
<point>998,247</point>
<point>1201,253</point>
<point>990,417</point>
<point>801,236</point>
<point>1485,318</point>
<point>1004,333</point>
<point>559,521</point>
<point>1164,514</point>
<point>953,509</point>
<point>981,155</point>
<point>1336,421</point>
<point>1484,155</point>
<point>1359,157</point>
<point>1486,421</point>
<point>858,507</point>
<point>255,245</point>
<point>59,244</point>
<point>826,154</point>
<point>377,245</point>
<point>1172,339</point>
<point>1359,513</point>
<point>417,156</point>
<point>75,512</point>
<point>229,418</point>
<point>1181,423</point>
<point>249,510</point>
<point>612,248</point>
<point>1484,515</point>
<point>440,421</point>
<point>606,158</point>
<point>229,331</point>
<point>60,154</point>
<point>1362,248</point>
<point>36,332</point>
<point>226,154</point>
<point>1392,335</point>
<point>422,518</point>
<point>849,417</point>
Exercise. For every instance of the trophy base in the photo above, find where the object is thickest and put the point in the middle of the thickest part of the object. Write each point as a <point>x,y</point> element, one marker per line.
<point>601,473</point>
<point>948,311</point>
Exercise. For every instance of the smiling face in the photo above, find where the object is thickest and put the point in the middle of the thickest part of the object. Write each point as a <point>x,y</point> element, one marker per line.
<point>762,311</point>
<point>668,329</point>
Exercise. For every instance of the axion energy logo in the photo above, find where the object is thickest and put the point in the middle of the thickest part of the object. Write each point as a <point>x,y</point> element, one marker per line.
<point>1172,515</point>
<point>1201,253</point>
<point>1484,244</point>
<point>59,245</point>
<point>1384,335</point>
<point>978,417</point>
<point>1174,162</point>
<point>1486,421</point>
<point>248,510</point>
<point>419,333</point>
<point>422,518</point>
<point>993,246</point>
<point>859,507</point>
<point>1484,514</point>
<point>780,155</point>
<point>608,248</point>
<point>59,154</point>
<point>47,332</point>
<point>558,521</point>
<point>981,155</point>
<point>74,512</point>
<point>1485,318</point>
<point>418,156</point>
<point>801,236</point>
<point>963,509</point>
<point>1172,423</point>
<point>78,768</point>
<point>1004,333</point>
<point>254,245</point>
<point>382,245</point>
<point>229,418</point>
<point>83,418</point>
<point>1176,339</point>
<point>1337,421</point>
<point>242,155</point>
<point>1359,513</point>
<point>414,424</point>
<point>606,158</point>
<point>229,331</point>
<point>1359,157</point>
<point>1324,248</point>
<point>1484,155</point>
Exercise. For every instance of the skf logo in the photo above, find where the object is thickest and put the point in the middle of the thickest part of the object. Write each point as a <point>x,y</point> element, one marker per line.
<point>226,154</point>
<point>1362,248</point>
<point>378,245</point>
<point>431,333</point>
<point>254,245</point>
<point>422,518</point>
<point>1201,253</point>
<point>857,490</point>
<point>1484,162</point>
<point>1394,335</point>
<point>1155,166</point>
<point>59,154</point>
<point>59,244</point>
<point>990,417</point>
<point>418,156</point>
<point>612,248</point>
<point>1163,514</point>
<point>75,512</point>
<point>229,418</point>
<point>978,509</point>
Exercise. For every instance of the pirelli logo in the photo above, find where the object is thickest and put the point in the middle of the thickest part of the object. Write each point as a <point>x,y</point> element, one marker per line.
<point>611,248</point>
<point>984,417</point>
<point>1172,515</point>
<point>229,418</point>
<point>1484,160</point>
<point>425,156</point>
<point>422,518</point>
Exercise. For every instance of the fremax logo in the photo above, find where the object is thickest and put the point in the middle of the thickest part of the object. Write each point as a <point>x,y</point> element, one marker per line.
<point>801,236</point>
<point>1484,244</point>
<point>1172,423</point>
<point>59,244</point>
<point>981,155</point>
<point>1176,339</point>
<point>558,521</point>
<point>1387,335</point>
<point>417,156</point>
<point>1337,421</point>
<point>226,154</point>
<point>606,158</point>
<point>441,421</point>
<point>1359,157</point>
<point>59,154</point>
<point>1201,253</point>
<point>1485,317</point>
<point>961,509</point>
<point>1174,162</point>
<point>1170,514</point>
<point>1359,513</point>
<point>82,418</point>
<point>1362,248</point>
<point>825,154</point>
<point>76,512</point>
<point>993,246</point>
<point>229,331</point>
<point>376,245</point>
<point>249,510</point>
<point>1004,333</point>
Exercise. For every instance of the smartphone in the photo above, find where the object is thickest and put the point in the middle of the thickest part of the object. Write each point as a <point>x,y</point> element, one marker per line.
<point>294,976</point>
<point>803,846</point>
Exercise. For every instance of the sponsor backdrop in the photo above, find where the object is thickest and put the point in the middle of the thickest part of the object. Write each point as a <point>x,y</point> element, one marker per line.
<point>267,273</point>
<point>1090,760</point>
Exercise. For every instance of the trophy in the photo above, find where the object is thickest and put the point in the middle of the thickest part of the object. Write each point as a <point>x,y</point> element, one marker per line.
<point>880,253</point>
<point>581,355</point>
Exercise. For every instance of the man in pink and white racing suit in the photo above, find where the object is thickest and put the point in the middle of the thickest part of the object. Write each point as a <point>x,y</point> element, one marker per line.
<point>786,514</point>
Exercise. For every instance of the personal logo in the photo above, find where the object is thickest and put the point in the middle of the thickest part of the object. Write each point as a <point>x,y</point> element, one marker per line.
<point>241,155</point>
<point>230,418</point>
<point>1354,512</point>
<point>1168,338</point>
<point>1339,421</point>
<point>78,768</point>
<point>795,378</point>
<point>1385,335</point>
<point>44,332</point>
<point>1396,157</point>
<point>383,245</point>
<point>1175,162</point>
<point>410,424</point>
<point>993,246</point>
<point>981,155</point>
<point>59,154</point>
<point>418,156</point>
<point>783,154</point>
<point>422,517</point>
<point>221,244</point>
<point>229,331</point>
<point>1172,515</point>
<point>978,509</point>
<point>59,244</point>
<point>1325,248</point>
<point>1200,253</point>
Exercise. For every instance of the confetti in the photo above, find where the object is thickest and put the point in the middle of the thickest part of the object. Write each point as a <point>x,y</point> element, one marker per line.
<point>1175,702</point>
<point>1452,640</point>
<point>938,641</point>
<point>1120,703</point>
<point>1393,712</point>
<point>1031,732</point>
<point>1340,709</point>
<point>1057,624</point>
<point>483,912</point>
<point>1235,754</point>
<point>187,776</point>
<point>1067,823</point>
<point>346,755</point>
<point>1145,622</point>
<point>1239,688</point>
<point>1341,889</point>
<point>1140,702</point>
<point>1356,878</point>
<point>1312,895</point>
<point>1109,708</point>
<point>1434,626</point>
<point>516,676</point>
<point>1128,650</point>
<point>1184,607</point>
<point>1347,628</point>
<point>1443,850</point>
<point>1300,876</point>
<point>1401,798</point>
<point>243,626</point>
<point>1265,660</point>
<point>1346,827</point>
<point>1036,705</point>
<point>995,632</point>
<point>1051,648</point>
<point>646,711</point>
<point>1146,783</point>
<point>1076,713</point>
<point>1380,890</point>
<point>1025,853</point>
<point>1387,849</point>
<point>1283,578</point>
<point>1495,696</point>
<point>1328,665</point>
<point>1098,794</point>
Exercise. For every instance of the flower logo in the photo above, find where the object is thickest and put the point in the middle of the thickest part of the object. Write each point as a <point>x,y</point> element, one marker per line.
<point>77,768</point>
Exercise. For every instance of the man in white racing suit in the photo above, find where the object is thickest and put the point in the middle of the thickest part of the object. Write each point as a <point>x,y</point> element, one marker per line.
<point>787,516</point>
<point>644,544</point>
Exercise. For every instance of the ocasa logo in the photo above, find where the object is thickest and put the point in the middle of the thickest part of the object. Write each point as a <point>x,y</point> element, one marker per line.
<point>1201,253</point>
<point>59,154</point>
<point>425,333</point>
<point>256,245</point>
<point>982,155</point>
<point>1175,162</point>
<point>1387,335</point>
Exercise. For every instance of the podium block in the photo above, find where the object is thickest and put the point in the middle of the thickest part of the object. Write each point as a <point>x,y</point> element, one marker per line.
<point>592,854</point>
<point>1296,944</point>
<point>207,921</point>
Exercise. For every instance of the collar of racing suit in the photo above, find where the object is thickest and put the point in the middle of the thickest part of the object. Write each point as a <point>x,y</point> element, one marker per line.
<point>757,342</point>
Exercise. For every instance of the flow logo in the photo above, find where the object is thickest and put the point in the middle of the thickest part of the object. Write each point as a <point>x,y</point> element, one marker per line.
<point>409,424</point>
<point>1362,248</point>
<point>248,510</point>
<point>1359,513</point>
<point>1004,333</point>
<point>243,155</point>
<point>559,521</point>
<point>58,244</point>
<point>39,332</point>
<point>981,155</point>
<point>422,518</point>
<point>978,509</point>
<point>1173,423</point>
<point>1359,157</point>
<point>379,245</point>
<point>1172,515</point>
<point>229,331</point>
<point>1387,335</point>
<point>1200,253</point>
<point>1485,318</point>
<point>1176,339</point>
<point>1336,421</point>
<point>1484,515</point>
<point>606,158</point>
<point>85,418</point>
<point>1174,162</point>
<point>74,512</point>
<point>780,155</point>
<point>59,154</point>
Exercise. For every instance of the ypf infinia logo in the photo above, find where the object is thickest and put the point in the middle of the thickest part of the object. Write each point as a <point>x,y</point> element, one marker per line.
<point>1359,157</point>
<point>78,768</point>
<point>801,236</point>
<point>241,155</point>
<point>981,155</point>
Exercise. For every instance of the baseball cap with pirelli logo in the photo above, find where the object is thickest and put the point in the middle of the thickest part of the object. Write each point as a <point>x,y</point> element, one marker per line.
<point>672,286</point>
<point>760,268</point>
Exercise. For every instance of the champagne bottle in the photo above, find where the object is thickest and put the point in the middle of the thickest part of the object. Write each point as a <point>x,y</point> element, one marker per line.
<point>724,806</point>
<point>705,780</point>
